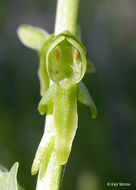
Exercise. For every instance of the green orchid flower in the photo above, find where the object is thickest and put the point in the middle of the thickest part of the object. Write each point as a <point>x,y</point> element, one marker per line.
<point>63,64</point>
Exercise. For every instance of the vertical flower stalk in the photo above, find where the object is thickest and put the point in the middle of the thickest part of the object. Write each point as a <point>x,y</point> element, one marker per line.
<point>66,16</point>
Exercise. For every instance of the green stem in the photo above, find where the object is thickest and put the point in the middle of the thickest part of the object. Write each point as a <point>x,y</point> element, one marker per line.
<point>66,16</point>
<point>50,180</point>
<point>49,176</point>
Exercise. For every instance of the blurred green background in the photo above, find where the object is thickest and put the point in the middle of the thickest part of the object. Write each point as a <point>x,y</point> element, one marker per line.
<point>104,149</point>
